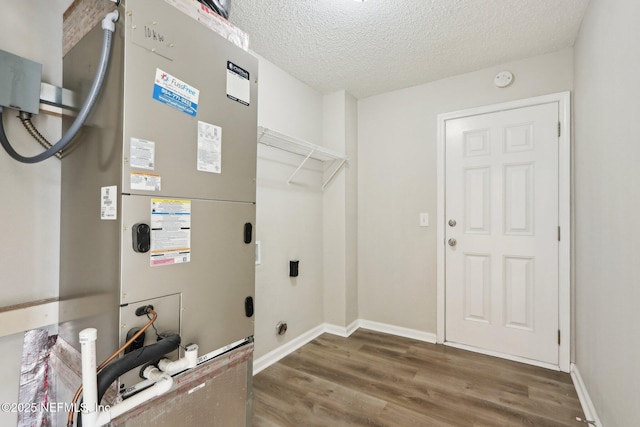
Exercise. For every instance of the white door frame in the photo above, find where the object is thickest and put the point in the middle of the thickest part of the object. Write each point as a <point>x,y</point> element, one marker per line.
<point>564,204</point>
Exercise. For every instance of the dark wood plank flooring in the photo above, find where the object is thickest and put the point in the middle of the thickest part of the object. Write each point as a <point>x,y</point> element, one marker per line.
<point>374,379</point>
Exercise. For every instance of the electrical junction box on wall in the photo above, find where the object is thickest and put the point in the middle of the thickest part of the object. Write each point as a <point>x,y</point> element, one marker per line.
<point>19,83</point>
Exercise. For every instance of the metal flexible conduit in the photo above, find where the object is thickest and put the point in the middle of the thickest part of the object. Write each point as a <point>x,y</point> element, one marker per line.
<point>25,119</point>
<point>108,27</point>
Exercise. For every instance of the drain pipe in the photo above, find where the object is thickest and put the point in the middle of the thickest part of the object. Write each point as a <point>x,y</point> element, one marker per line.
<point>89,376</point>
<point>91,417</point>
<point>163,383</point>
<point>189,361</point>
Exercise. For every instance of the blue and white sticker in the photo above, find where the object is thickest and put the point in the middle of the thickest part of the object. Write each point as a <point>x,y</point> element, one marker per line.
<point>175,93</point>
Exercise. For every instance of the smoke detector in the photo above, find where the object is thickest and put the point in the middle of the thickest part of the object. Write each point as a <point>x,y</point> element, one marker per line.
<point>503,79</point>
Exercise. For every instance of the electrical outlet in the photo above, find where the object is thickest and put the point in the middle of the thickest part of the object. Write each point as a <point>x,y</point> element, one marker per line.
<point>424,220</point>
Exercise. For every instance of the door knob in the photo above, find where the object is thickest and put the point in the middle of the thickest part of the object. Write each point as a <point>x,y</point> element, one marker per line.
<point>452,242</point>
<point>452,223</point>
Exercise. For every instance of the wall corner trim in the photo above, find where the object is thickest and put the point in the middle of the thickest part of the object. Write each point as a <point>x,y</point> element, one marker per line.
<point>342,331</point>
<point>583,395</point>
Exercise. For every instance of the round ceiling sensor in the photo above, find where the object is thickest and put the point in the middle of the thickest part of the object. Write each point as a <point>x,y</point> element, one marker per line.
<point>503,79</point>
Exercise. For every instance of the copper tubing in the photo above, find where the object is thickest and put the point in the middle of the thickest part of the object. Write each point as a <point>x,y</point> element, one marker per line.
<point>154,316</point>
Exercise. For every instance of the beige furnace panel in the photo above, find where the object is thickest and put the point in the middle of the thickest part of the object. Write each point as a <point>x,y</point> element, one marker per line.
<point>191,98</point>
<point>214,282</point>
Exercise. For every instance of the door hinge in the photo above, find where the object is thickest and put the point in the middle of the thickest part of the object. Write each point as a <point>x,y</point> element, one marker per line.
<point>559,129</point>
<point>558,233</point>
<point>558,336</point>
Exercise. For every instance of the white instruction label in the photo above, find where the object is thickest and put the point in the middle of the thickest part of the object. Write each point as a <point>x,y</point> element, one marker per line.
<point>209,148</point>
<point>238,84</point>
<point>170,231</point>
<point>109,203</point>
<point>142,154</point>
<point>145,181</point>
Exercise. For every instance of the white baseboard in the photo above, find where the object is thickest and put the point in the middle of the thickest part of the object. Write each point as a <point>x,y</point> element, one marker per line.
<point>342,331</point>
<point>503,355</point>
<point>587,405</point>
<point>398,330</point>
<point>273,356</point>
<point>284,350</point>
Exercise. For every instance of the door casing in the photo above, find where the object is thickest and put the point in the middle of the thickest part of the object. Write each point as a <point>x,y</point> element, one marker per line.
<point>563,99</point>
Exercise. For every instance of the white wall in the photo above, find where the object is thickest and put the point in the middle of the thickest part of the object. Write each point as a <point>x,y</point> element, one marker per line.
<point>607,199</point>
<point>351,209</point>
<point>289,217</point>
<point>29,253</point>
<point>334,220</point>
<point>397,181</point>
<point>340,134</point>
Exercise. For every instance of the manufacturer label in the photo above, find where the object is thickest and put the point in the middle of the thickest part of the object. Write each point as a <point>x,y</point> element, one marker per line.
<point>209,148</point>
<point>109,203</point>
<point>175,93</point>
<point>142,154</point>
<point>238,84</point>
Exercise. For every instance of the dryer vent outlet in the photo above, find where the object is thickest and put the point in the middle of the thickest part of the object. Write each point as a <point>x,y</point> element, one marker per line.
<point>281,328</point>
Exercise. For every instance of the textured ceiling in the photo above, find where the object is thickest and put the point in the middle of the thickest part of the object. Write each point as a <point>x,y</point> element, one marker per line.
<point>381,45</point>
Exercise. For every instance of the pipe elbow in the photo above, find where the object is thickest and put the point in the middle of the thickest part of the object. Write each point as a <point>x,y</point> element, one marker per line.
<point>109,21</point>
<point>163,381</point>
<point>189,361</point>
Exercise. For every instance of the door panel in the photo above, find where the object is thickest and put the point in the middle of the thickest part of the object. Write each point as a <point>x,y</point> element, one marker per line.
<point>502,269</point>
<point>477,292</point>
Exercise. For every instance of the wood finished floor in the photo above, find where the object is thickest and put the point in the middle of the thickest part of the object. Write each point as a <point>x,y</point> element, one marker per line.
<point>374,379</point>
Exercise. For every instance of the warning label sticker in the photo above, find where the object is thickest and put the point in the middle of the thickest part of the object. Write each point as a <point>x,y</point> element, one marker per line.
<point>145,181</point>
<point>175,93</point>
<point>170,232</point>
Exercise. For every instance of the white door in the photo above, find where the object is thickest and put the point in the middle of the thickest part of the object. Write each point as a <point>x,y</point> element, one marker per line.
<point>501,217</point>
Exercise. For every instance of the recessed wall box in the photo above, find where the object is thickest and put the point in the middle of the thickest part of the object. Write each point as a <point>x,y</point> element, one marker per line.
<point>19,83</point>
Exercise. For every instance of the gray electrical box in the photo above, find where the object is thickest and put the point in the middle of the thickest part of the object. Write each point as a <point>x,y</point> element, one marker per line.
<point>19,83</point>
<point>158,194</point>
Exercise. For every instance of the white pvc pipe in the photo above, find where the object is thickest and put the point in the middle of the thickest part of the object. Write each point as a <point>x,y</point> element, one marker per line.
<point>89,376</point>
<point>190,360</point>
<point>163,383</point>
